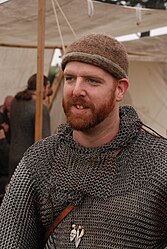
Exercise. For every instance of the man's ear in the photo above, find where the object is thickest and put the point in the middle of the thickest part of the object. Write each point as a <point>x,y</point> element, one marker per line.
<point>122,87</point>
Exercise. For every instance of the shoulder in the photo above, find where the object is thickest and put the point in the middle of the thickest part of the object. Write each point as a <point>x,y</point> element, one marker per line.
<point>152,140</point>
<point>39,159</point>
<point>22,101</point>
<point>152,149</point>
<point>42,150</point>
<point>22,105</point>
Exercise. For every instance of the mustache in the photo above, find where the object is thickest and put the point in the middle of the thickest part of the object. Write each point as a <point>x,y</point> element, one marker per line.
<point>78,101</point>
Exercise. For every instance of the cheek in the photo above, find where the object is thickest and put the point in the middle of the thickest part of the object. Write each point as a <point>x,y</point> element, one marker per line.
<point>65,93</point>
<point>107,95</point>
<point>67,90</point>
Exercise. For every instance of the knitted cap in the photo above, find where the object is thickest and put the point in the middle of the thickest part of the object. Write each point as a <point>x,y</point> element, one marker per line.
<point>100,50</point>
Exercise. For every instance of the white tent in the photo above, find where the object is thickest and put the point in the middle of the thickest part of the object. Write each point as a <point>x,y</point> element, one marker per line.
<point>147,72</point>
<point>148,80</point>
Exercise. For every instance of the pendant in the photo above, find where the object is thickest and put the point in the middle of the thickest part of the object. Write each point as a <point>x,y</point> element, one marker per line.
<point>73,232</point>
<point>77,233</point>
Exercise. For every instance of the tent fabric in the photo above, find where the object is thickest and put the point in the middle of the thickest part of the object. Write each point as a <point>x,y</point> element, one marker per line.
<point>148,58</point>
<point>16,66</point>
<point>19,22</point>
<point>148,93</point>
<point>148,49</point>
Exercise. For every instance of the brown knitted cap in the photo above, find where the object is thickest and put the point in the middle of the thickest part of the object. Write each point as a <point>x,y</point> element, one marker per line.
<point>100,50</point>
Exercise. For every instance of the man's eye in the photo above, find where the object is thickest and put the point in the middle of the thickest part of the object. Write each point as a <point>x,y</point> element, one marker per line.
<point>92,81</point>
<point>68,78</point>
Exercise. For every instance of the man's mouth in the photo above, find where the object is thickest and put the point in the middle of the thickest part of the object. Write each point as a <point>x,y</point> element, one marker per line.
<point>79,107</point>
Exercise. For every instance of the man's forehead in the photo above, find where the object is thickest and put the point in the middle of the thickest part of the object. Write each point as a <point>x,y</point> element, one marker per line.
<point>75,66</point>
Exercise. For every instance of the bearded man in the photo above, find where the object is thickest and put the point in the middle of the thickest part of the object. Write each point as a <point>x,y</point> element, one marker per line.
<point>101,181</point>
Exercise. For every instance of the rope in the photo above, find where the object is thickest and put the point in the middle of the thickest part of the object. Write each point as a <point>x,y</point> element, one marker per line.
<point>90,13</point>
<point>68,23</point>
<point>66,19</point>
<point>58,25</point>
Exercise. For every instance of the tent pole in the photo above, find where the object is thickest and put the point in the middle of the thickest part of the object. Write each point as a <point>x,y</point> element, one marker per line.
<point>40,68</point>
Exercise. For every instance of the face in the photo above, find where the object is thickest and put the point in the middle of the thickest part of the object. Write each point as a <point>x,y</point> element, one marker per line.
<point>46,90</point>
<point>89,95</point>
<point>7,103</point>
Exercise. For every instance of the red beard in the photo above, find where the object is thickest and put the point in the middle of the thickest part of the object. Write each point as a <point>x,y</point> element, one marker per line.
<point>89,116</point>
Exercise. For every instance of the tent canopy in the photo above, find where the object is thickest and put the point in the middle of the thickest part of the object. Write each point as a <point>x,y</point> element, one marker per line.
<point>18,21</point>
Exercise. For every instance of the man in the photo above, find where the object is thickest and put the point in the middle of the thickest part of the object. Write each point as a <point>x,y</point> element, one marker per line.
<point>23,120</point>
<point>4,162</point>
<point>101,181</point>
<point>4,142</point>
<point>5,116</point>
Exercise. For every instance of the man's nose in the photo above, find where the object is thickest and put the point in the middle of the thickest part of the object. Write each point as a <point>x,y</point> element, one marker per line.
<point>78,89</point>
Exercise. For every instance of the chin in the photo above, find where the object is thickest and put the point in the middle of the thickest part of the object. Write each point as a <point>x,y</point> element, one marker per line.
<point>78,126</point>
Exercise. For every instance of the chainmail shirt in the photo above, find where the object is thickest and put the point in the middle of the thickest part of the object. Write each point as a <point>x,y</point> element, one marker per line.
<point>120,199</point>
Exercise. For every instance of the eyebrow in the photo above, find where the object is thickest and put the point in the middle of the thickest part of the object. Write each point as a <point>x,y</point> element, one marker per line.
<point>84,75</point>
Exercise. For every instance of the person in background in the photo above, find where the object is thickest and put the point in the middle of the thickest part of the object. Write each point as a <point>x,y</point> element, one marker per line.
<point>23,120</point>
<point>5,116</point>
<point>49,94</point>
<point>4,142</point>
<point>100,182</point>
<point>4,162</point>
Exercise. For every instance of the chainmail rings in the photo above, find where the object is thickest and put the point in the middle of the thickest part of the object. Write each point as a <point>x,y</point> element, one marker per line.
<point>119,200</point>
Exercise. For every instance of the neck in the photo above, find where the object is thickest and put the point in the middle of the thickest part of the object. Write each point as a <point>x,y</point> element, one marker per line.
<point>99,135</point>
